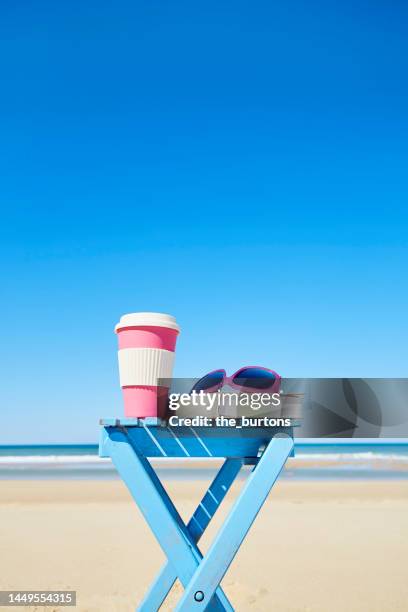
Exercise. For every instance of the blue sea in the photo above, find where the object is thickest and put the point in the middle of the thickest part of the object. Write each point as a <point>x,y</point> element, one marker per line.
<point>313,460</point>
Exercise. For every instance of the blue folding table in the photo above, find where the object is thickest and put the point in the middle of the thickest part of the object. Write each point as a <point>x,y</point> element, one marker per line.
<point>131,442</point>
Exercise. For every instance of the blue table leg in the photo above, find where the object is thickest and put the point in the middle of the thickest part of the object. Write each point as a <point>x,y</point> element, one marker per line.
<point>212,569</point>
<point>160,513</point>
<point>196,526</point>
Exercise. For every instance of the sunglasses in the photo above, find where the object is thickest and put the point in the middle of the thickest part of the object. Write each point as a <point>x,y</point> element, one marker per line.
<point>250,378</point>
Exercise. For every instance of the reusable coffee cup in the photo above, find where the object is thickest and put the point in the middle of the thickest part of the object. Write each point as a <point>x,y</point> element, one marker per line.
<point>147,341</point>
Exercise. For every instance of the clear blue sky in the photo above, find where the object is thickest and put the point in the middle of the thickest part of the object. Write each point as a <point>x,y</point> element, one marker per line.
<point>240,165</point>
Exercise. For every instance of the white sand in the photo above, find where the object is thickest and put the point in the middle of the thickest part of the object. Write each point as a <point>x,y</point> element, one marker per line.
<point>321,546</point>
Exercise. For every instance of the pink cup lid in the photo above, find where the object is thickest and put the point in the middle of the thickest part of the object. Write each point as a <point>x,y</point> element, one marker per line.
<point>147,319</point>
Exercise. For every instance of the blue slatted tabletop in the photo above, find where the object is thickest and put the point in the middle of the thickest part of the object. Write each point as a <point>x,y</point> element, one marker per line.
<point>154,438</point>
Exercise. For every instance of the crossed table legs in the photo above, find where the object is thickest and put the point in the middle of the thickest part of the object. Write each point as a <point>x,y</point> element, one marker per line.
<point>200,576</point>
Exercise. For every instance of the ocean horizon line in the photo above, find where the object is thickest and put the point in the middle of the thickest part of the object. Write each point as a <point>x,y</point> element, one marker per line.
<point>322,459</point>
<point>298,442</point>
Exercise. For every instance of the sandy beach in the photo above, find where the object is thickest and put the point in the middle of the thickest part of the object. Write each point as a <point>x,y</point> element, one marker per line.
<point>316,546</point>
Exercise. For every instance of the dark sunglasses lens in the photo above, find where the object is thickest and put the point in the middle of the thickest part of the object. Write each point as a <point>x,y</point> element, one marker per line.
<point>209,381</point>
<point>255,378</point>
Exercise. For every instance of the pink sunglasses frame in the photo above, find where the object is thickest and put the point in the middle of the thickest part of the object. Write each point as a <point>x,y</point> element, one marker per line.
<point>228,380</point>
